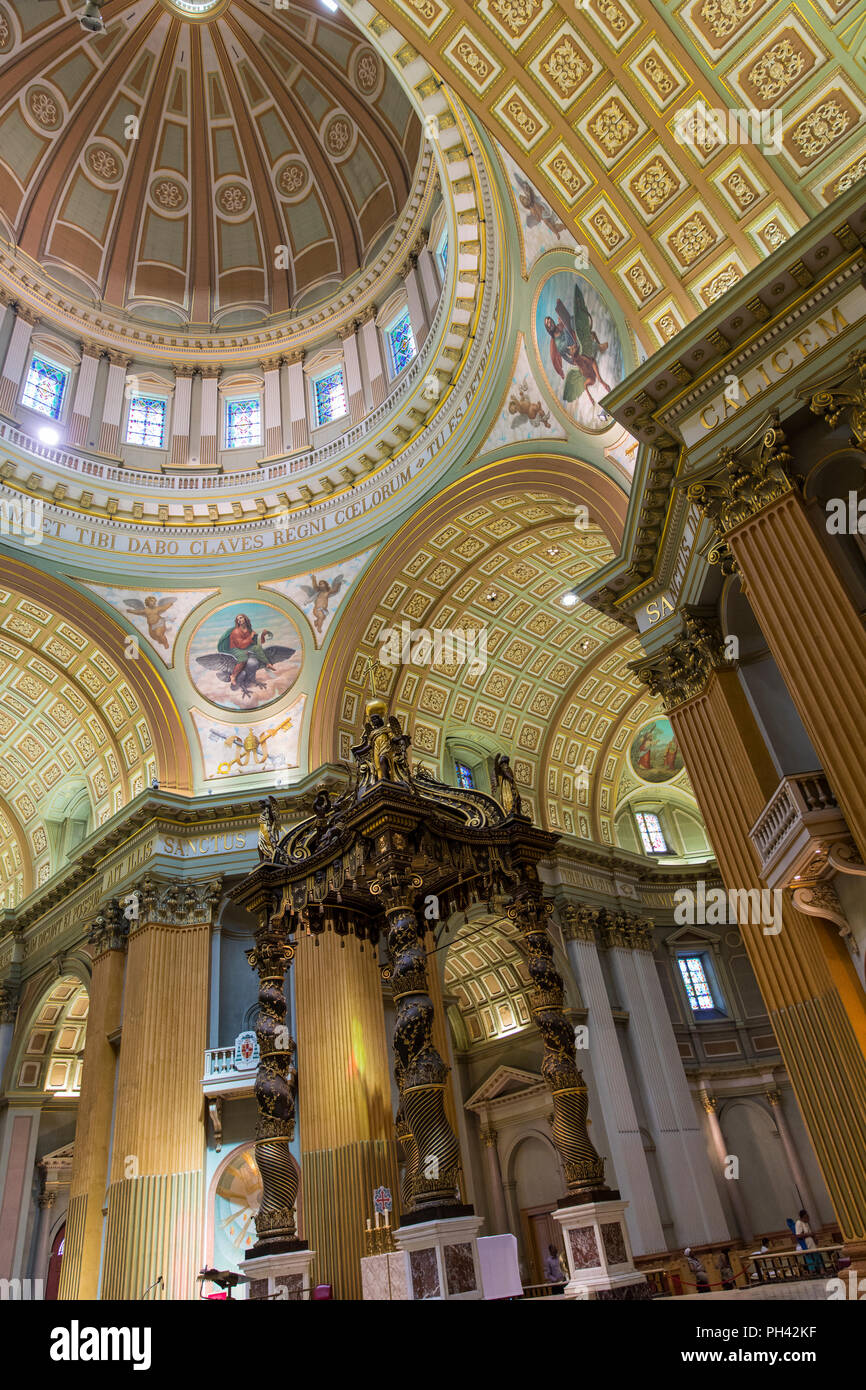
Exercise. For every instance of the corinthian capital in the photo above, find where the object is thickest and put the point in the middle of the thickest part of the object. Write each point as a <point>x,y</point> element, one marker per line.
<point>682,669</point>
<point>743,484</point>
<point>846,397</point>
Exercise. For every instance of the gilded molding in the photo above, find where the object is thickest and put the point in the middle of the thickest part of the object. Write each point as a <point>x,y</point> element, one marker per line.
<point>846,397</point>
<point>607,928</point>
<point>8,1003</point>
<point>742,486</point>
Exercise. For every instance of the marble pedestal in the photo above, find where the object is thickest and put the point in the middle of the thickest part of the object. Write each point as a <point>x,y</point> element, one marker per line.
<point>282,1276</point>
<point>441,1258</point>
<point>385,1277</point>
<point>600,1262</point>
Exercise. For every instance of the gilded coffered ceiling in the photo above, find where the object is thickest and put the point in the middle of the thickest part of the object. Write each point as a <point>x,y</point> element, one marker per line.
<point>556,691</point>
<point>594,99</point>
<point>199,171</point>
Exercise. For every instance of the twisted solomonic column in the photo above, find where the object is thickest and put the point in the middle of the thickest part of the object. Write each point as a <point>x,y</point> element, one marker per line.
<point>584,1169</point>
<point>421,1074</point>
<point>275,1096</point>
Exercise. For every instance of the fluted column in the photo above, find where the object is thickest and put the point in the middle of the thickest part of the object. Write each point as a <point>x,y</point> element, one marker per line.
<point>8,1014</point>
<point>499,1215</point>
<point>697,1211</point>
<point>207,449</point>
<point>798,1172</point>
<point>109,430</point>
<point>79,1272</point>
<point>298,422</point>
<point>614,1091</point>
<point>348,1145</point>
<point>16,357</point>
<point>180,416</point>
<point>82,404</point>
<point>720,1149</point>
<point>47,1202</point>
<point>429,281</point>
<point>819,1031</point>
<point>371,346</point>
<point>354,385</point>
<point>155,1199</point>
<point>273,409</point>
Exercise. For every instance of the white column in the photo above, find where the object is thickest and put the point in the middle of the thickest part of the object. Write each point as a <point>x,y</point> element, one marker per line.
<point>798,1172</point>
<point>273,414</point>
<point>46,1202</point>
<point>697,1210</point>
<point>614,1093</point>
<point>721,1150</point>
<point>82,403</point>
<point>180,416</point>
<point>16,356</point>
<point>429,281</point>
<point>207,450</point>
<point>109,431</point>
<point>498,1214</point>
<point>354,385</point>
<point>371,346</point>
<point>417,314</point>
<point>298,403</point>
<point>8,1014</point>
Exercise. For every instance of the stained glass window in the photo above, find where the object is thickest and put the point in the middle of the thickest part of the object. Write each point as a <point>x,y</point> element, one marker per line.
<point>442,253</point>
<point>330,396</point>
<point>146,423</point>
<point>651,833</point>
<point>401,343</point>
<point>464,775</point>
<point>243,423</point>
<point>696,983</point>
<point>45,387</point>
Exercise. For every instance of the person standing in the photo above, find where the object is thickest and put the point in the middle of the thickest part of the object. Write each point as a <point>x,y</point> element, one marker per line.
<point>702,1279</point>
<point>726,1270</point>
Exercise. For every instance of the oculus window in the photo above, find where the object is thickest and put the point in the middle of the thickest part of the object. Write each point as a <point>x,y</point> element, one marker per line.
<point>243,423</point>
<point>147,421</point>
<point>45,388</point>
<point>651,835</point>
<point>329,392</point>
<point>401,343</point>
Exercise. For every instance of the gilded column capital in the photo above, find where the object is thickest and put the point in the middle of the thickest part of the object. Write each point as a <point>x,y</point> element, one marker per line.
<point>847,397</point>
<point>367,314</point>
<point>47,1198</point>
<point>348,330</point>
<point>210,373</point>
<point>743,483</point>
<point>271,364</point>
<point>118,359</point>
<point>28,314</point>
<point>579,923</point>
<point>709,1103</point>
<point>681,670</point>
<point>488,1137</point>
<point>111,925</point>
<point>774,1098</point>
<point>182,370</point>
<point>295,356</point>
<point>173,903</point>
<point>89,349</point>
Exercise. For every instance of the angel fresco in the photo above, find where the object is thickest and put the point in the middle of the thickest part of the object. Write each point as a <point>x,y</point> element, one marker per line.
<point>574,340</point>
<point>536,209</point>
<point>152,610</point>
<point>320,594</point>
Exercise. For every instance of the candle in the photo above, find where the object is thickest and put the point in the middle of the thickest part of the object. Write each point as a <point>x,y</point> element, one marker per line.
<point>369,1223</point>
<point>387,1218</point>
<point>377,1221</point>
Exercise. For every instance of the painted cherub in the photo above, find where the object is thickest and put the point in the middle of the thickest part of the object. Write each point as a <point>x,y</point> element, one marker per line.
<point>152,611</point>
<point>321,593</point>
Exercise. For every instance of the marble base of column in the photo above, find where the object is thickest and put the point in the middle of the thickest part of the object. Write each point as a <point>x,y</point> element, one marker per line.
<point>442,1257</point>
<point>285,1276</point>
<point>597,1247</point>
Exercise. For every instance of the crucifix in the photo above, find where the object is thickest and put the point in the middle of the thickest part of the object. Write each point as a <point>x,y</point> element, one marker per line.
<point>371,666</point>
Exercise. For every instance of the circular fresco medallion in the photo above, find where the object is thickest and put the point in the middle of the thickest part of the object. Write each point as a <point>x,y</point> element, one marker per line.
<point>103,163</point>
<point>168,194</point>
<point>233,199</point>
<point>245,655</point>
<point>654,753</point>
<point>7,33</point>
<point>44,108</point>
<point>293,178</point>
<point>368,71</point>
<point>578,346</point>
<point>338,135</point>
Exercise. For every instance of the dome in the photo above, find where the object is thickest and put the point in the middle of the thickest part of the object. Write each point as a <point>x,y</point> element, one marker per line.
<point>200,162</point>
